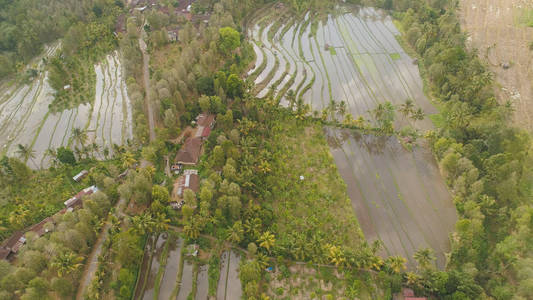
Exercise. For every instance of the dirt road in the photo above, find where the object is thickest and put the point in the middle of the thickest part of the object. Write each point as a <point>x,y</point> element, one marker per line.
<point>146,79</point>
<point>498,29</point>
<point>92,261</point>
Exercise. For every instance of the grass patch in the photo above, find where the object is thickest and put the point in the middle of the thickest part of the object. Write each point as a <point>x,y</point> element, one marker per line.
<point>395,56</point>
<point>317,206</point>
<point>437,120</point>
<point>524,17</point>
<point>332,51</point>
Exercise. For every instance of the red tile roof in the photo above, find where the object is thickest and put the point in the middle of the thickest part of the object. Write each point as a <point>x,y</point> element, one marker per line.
<point>206,132</point>
<point>39,227</point>
<point>12,241</point>
<point>205,120</point>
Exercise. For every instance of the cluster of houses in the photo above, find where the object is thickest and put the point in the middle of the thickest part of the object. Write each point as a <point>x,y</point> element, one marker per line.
<point>407,294</point>
<point>189,155</point>
<point>11,246</point>
<point>184,9</point>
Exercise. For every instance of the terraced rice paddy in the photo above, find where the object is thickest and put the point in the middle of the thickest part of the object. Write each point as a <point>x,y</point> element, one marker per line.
<point>399,196</point>
<point>350,57</point>
<point>25,117</point>
<point>177,277</point>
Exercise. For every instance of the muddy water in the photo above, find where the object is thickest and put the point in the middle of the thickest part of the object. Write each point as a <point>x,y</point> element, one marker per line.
<point>234,289</point>
<point>221,288</point>
<point>171,270</point>
<point>202,283</point>
<point>154,268</point>
<point>397,195</point>
<point>229,284</point>
<point>186,281</point>
<point>144,268</point>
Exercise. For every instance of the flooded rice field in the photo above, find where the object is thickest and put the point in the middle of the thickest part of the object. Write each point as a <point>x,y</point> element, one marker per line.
<point>149,286</point>
<point>399,196</point>
<point>202,283</point>
<point>186,281</point>
<point>192,273</point>
<point>352,57</point>
<point>25,117</point>
<point>229,284</point>
<point>168,282</point>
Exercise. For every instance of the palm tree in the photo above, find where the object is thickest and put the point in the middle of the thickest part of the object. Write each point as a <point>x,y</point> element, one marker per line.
<point>267,240</point>
<point>407,107</point>
<point>66,263</point>
<point>52,154</point>
<point>418,115</point>
<point>236,233</point>
<point>384,115</point>
<point>160,223</point>
<point>424,257</point>
<point>191,231</point>
<point>79,136</point>
<point>143,223</point>
<point>341,109</point>
<point>336,255</point>
<point>127,159</point>
<point>396,263</point>
<point>26,153</point>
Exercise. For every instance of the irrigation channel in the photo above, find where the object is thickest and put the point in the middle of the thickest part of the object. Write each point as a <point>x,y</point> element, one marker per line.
<point>353,56</point>
<point>170,274</point>
<point>25,117</point>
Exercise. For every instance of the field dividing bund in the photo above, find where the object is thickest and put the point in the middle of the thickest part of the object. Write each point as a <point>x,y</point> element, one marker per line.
<point>398,195</point>
<point>26,118</point>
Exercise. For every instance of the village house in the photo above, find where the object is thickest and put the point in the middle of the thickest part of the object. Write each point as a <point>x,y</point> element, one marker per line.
<point>75,201</point>
<point>12,245</point>
<point>190,152</point>
<point>407,294</point>
<point>78,177</point>
<point>205,123</point>
<point>188,181</point>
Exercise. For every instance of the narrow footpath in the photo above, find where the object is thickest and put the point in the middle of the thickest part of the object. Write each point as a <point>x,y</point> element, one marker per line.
<point>92,261</point>
<point>146,79</point>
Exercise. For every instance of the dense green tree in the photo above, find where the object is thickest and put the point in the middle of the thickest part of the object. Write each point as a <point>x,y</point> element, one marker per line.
<point>65,156</point>
<point>230,39</point>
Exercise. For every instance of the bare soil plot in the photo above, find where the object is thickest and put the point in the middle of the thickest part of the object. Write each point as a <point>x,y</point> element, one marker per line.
<point>498,29</point>
<point>399,196</point>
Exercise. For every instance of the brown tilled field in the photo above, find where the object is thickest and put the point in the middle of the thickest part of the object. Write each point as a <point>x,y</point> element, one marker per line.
<point>498,28</point>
